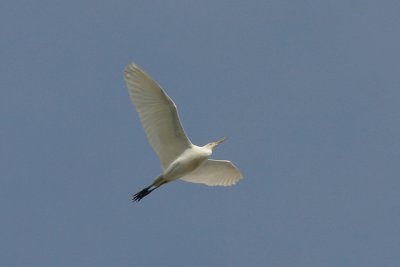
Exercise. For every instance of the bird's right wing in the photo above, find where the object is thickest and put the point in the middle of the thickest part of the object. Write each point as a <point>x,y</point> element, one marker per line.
<point>158,115</point>
<point>215,172</point>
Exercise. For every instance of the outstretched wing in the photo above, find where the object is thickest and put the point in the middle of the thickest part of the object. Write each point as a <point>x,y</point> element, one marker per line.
<point>215,172</point>
<point>158,115</point>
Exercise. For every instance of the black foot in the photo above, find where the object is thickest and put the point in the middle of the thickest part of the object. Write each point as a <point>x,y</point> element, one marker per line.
<point>138,196</point>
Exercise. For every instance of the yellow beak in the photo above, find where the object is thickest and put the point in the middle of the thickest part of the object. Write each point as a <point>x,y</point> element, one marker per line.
<point>220,141</point>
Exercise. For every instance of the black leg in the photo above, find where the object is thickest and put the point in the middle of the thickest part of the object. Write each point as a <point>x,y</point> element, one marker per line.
<point>139,195</point>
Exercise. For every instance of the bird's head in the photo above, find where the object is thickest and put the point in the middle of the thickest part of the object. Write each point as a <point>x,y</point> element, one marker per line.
<point>213,145</point>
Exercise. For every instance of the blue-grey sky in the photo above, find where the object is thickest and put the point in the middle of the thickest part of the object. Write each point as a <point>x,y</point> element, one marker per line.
<point>307,93</point>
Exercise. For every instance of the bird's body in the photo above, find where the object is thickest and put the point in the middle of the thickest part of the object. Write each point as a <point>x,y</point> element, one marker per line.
<point>180,158</point>
<point>187,162</point>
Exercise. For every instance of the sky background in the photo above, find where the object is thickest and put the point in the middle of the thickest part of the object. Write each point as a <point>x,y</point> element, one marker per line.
<point>307,93</point>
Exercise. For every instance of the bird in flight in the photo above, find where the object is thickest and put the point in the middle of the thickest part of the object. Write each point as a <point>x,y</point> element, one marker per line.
<point>180,159</point>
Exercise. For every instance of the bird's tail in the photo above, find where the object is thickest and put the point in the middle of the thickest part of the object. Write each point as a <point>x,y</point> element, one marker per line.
<point>141,194</point>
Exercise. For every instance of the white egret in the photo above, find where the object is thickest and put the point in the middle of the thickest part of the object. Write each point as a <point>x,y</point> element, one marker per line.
<point>180,159</point>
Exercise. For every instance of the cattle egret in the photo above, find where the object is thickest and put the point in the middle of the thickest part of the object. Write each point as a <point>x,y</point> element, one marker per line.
<point>180,159</point>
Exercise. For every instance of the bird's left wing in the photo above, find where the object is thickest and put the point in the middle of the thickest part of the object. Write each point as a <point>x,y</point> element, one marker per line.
<point>215,172</point>
<point>158,115</point>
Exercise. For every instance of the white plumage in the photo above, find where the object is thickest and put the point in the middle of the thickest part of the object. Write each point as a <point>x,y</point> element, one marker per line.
<point>178,156</point>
